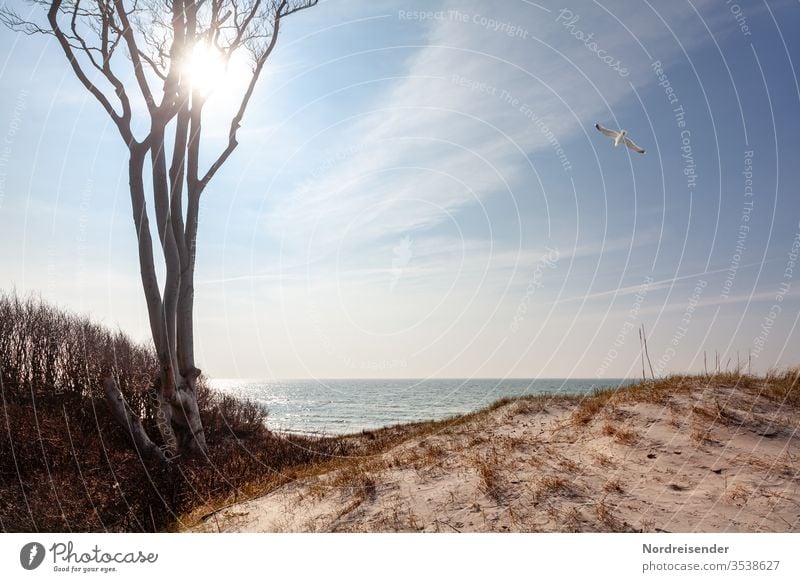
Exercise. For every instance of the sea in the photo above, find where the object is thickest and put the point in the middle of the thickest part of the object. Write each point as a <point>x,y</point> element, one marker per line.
<point>332,407</point>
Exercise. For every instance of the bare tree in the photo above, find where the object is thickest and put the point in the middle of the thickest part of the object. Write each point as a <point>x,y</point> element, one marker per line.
<point>124,51</point>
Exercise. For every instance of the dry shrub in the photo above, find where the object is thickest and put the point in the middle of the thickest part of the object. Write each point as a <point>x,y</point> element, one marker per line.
<point>65,465</point>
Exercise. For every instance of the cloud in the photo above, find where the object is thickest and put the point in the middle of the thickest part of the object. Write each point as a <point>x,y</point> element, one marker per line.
<point>461,127</point>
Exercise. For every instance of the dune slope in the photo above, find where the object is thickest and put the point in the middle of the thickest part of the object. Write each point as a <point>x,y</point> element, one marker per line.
<point>681,455</point>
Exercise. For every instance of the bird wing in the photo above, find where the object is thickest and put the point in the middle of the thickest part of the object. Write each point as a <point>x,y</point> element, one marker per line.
<point>633,146</point>
<point>605,131</point>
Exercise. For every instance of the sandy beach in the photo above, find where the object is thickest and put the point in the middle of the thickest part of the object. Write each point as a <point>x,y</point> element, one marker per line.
<point>718,454</point>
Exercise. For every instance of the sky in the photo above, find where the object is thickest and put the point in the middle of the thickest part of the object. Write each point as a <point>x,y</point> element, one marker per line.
<point>420,191</point>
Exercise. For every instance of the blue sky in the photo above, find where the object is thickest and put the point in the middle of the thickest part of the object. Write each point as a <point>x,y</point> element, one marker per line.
<point>420,191</point>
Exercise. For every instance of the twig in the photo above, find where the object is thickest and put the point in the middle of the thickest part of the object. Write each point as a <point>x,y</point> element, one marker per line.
<point>641,349</point>
<point>647,353</point>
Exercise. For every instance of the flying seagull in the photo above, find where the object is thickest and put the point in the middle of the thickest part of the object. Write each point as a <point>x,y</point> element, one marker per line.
<point>619,137</point>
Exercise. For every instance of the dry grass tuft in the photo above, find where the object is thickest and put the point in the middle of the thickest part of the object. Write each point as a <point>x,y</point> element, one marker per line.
<point>648,525</point>
<point>357,478</point>
<point>783,386</point>
<point>738,493</point>
<point>533,405</point>
<point>605,516</point>
<point>700,436</point>
<point>569,466</point>
<point>591,406</point>
<point>548,487</point>
<point>572,520</point>
<point>626,436</point>
<point>432,452</point>
<point>491,479</point>
<point>604,460</point>
<point>623,436</point>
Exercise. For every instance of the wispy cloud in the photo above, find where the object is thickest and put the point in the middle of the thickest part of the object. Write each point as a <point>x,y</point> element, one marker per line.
<point>461,127</point>
<point>652,286</point>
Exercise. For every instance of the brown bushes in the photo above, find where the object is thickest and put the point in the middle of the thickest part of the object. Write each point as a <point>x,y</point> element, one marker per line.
<point>64,463</point>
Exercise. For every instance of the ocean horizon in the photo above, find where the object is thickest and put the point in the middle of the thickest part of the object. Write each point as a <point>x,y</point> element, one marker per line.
<point>341,406</point>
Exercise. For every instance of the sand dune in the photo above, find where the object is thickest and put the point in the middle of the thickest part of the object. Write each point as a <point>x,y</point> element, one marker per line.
<point>678,456</point>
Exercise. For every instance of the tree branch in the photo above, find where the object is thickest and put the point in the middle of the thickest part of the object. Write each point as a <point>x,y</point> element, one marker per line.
<point>123,414</point>
<point>121,121</point>
<point>260,61</point>
<point>134,52</point>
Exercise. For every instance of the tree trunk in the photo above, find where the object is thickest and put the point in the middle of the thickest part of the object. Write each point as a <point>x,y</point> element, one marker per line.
<point>178,395</point>
<point>178,415</point>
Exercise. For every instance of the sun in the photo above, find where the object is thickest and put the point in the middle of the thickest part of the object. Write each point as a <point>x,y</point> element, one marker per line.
<point>210,73</point>
<point>205,68</point>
